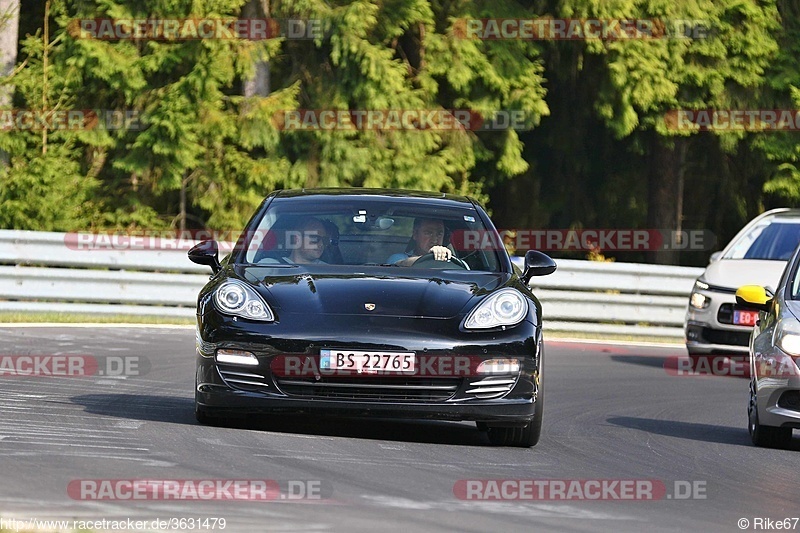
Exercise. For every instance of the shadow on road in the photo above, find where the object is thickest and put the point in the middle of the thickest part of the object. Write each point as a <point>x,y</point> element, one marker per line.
<point>728,366</point>
<point>177,410</point>
<point>423,431</point>
<point>691,430</point>
<point>642,360</point>
<point>173,409</point>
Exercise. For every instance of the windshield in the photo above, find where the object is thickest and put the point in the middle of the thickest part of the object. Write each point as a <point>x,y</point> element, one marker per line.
<point>374,231</point>
<point>771,239</point>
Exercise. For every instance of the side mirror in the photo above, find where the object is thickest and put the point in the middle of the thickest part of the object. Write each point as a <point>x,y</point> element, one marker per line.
<point>206,253</point>
<point>753,297</point>
<point>715,256</point>
<point>537,264</point>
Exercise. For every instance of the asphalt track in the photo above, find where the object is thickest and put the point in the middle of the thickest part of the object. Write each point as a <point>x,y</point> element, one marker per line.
<point>612,412</point>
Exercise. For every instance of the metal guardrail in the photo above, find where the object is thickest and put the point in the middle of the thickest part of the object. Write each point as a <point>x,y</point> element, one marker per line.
<point>102,275</point>
<point>58,272</point>
<point>615,298</point>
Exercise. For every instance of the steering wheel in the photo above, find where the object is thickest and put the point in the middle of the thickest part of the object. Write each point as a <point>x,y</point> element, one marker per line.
<point>429,258</point>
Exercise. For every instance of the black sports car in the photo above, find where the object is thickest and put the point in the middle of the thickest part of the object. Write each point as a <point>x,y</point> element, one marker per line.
<point>371,302</point>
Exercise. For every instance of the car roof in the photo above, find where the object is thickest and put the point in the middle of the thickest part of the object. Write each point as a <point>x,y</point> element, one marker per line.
<point>782,213</point>
<point>360,191</point>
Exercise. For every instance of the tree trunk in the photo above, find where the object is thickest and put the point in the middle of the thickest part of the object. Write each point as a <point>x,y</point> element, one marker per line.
<point>45,55</point>
<point>664,191</point>
<point>182,215</point>
<point>258,85</point>
<point>9,30</point>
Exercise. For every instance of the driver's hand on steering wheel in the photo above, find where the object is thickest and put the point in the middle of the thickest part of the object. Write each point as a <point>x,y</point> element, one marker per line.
<point>441,253</point>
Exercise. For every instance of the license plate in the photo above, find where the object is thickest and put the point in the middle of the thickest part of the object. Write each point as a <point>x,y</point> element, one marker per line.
<point>367,362</point>
<point>745,318</point>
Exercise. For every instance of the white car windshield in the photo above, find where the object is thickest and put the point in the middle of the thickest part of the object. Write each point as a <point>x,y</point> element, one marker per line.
<point>774,239</point>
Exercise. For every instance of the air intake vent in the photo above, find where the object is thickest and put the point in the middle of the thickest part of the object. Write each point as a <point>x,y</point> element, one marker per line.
<point>238,377</point>
<point>491,387</point>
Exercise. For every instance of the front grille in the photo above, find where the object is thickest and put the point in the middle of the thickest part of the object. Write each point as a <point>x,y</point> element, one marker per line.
<point>243,378</point>
<point>397,389</point>
<point>731,338</point>
<point>725,314</point>
<point>790,400</point>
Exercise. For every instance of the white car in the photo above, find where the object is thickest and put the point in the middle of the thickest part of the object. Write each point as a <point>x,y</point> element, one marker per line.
<point>756,255</point>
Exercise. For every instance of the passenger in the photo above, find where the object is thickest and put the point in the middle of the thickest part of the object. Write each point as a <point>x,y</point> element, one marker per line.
<point>313,239</point>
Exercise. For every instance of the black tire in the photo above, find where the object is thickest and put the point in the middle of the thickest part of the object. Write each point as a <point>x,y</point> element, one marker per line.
<point>521,437</point>
<point>201,415</point>
<point>205,418</point>
<point>517,437</point>
<point>765,436</point>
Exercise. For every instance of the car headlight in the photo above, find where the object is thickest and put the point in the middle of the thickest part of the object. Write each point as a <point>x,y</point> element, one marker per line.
<point>506,307</point>
<point>235,298</point>
<point>790,344</point>
<point>787,337</point>
<point>701,285</point>
<point>699,301</point>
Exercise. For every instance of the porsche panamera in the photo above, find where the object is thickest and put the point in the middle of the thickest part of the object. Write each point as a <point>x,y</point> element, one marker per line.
<point>312,313</point>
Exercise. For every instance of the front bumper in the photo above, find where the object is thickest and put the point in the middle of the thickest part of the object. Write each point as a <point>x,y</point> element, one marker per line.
<point>778,388</point>
<point>707,334</point>
<point>698,335</point>
<point>222,389</point>
<point>221,401</point>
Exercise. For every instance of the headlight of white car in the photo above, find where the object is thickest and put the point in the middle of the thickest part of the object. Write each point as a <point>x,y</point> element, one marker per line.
<point>699,301</point>
<point>506,307</point>
<point>235,298</point>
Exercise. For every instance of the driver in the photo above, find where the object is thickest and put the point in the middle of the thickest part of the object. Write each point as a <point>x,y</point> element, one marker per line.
<point>426,237</point>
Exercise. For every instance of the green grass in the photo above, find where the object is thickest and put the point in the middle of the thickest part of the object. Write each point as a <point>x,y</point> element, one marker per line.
<point>73,318</point>
<point>610,337</point>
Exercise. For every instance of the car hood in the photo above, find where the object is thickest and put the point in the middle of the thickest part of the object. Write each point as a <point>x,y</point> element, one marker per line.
<point>733,273</point>
<point>443,294</point>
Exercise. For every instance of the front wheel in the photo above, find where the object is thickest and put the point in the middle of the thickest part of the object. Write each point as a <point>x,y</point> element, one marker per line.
<point>201,416</point>
<point>518,437</point>
<point>765,436</point>
<point>206,418</point>
<point>521,437</point>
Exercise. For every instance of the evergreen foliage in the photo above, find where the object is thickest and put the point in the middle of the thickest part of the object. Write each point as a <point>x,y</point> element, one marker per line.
<point>596,150</point>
